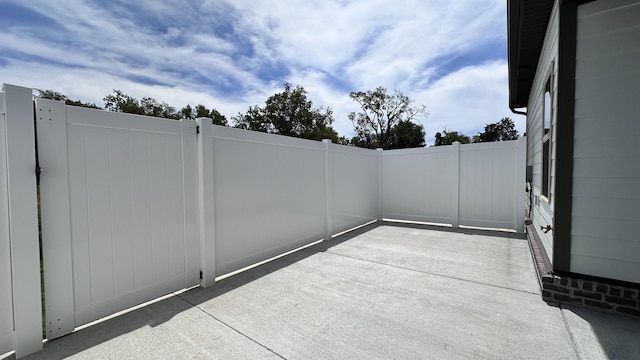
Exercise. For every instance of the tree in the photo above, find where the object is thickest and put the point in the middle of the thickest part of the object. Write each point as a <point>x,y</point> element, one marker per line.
<point>452,136</point>
<point>380,113</point>
<point>187,112</point>
<point>503,130</point>
<point>54,95</point>
<point>254,120</point>
<point>289,113</point>
<point>118,101</point>
<point>407,134</point>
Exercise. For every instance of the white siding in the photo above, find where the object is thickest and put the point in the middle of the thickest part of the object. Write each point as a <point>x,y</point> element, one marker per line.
<point>605,215</point>
<point>542,210</point>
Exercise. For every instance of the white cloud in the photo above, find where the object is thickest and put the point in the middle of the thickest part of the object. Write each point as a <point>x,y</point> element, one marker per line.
<point>328,47</point>
<point>468,99</point>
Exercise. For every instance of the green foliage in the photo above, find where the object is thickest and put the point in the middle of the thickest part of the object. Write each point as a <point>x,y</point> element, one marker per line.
<point>407,134</point>
<point>380,115</point>
<point>201,111</point>
<point>289,113</point>
<point>503,130</point>
<point>118,101</point>
<point>54,95</point>
<point>81,104</point>
<point>450,137</point>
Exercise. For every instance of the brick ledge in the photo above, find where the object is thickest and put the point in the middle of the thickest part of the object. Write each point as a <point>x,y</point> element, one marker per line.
<point>582,291</point>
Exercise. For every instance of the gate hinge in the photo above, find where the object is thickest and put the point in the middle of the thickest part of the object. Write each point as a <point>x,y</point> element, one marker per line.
<point>200,274</point>
<point>38,172</point>
<point>198,129</point>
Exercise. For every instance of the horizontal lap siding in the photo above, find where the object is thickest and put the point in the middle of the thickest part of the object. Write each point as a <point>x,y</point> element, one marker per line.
<point>606,166</point>
<point>542,211</point>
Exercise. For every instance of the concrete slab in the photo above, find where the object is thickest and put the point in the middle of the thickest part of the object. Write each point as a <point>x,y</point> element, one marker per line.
<point>599,335</point>
<point>169,329</point>
<point>328,306</point>
<point>378,293</point>
<point>486,257</point>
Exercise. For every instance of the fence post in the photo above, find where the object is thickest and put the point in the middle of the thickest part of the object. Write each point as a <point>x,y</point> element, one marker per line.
<point>455,200</point>
<point>23,215</point>
<point>328,193</point>
<point>379,184</point>
<point>520,183</point>
<point>206,203</point>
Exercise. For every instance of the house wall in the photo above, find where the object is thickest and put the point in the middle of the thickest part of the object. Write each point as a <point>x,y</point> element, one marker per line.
<point>542,207</point>
<point>606,174</point>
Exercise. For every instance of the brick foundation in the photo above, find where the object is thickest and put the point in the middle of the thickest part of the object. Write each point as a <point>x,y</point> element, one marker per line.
<point>590,293</point>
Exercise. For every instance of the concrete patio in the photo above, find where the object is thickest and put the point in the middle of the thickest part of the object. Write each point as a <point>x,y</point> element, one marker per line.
<point>390,291</point>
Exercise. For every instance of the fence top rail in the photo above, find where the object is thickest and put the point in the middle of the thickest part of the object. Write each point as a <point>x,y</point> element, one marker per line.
<point>77,115</point>
<point>417,151</point>
<point>229,133</point>
<point>346,149</point>
<point>489,145</point>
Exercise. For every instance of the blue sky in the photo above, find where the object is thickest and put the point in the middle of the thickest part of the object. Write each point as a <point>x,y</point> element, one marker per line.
<point>448,55</point>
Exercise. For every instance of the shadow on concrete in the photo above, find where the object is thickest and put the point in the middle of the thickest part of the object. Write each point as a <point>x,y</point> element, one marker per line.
<point>600,335</point>
<point>162,311</point>
<point>461,230</point>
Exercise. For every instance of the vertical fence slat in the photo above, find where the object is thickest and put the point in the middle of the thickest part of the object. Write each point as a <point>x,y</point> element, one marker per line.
<point>328,205</point>
<point>379,183</point>
<point>206,203</point>
<point>191,202</point>
<point>23,215</point>
<point>56,231</point>
<point>520,183</point>
<point>455,179</point>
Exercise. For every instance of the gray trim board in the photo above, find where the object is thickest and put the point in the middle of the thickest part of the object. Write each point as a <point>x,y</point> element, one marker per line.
<point>564,136</point>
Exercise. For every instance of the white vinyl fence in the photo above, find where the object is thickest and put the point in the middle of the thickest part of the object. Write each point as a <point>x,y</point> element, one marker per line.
<point>478,185</point>
<point>134,207</point>
<point>264,195</point>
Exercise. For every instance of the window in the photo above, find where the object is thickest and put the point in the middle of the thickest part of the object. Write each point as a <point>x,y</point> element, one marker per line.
<point>546,138</point>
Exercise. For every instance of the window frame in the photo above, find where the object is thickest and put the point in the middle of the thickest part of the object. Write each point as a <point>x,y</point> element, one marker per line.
<point>547,137</point>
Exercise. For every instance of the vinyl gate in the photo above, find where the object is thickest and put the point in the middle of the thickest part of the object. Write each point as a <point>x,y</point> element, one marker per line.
<point>116,211</point>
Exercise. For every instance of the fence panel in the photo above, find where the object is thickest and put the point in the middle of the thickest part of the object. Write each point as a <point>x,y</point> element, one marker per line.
<point>7,336</point>
<point>354,186</point>
<point>489,185</point>
<point>114,197</point>
<point>269,195</point>
<point>418,184</point>
<point>478,185</point>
